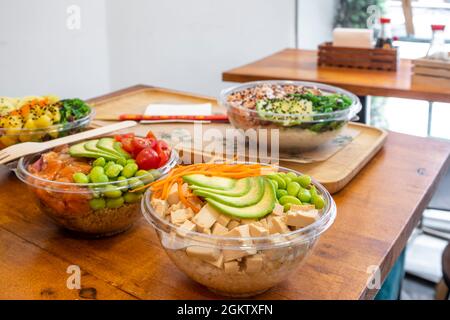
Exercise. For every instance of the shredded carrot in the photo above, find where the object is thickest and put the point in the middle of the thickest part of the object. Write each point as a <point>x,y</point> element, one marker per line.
<point>183,198</point>
<point>160,189</point>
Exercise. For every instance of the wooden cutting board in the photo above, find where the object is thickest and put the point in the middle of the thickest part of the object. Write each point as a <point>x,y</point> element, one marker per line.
<point>334,173</point>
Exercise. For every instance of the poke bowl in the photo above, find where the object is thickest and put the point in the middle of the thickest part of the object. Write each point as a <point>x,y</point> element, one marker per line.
<point>43,118</point>
<point>239,229</point>
<point>93,188</point>
<point>306,115</point>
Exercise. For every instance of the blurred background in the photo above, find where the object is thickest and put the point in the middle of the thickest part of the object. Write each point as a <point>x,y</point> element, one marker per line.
<point>186,45</point>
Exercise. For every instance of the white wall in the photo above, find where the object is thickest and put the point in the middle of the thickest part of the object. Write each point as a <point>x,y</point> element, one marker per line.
<point>180,44</point>
<point>315,22</point>
<point>187,44</point>
<point>40,55</point>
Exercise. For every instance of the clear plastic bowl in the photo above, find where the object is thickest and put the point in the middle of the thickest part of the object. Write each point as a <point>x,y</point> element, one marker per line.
<point>68,203</point>
<point>312,130</point>
<point>282,253</point>
<point>10,137</point>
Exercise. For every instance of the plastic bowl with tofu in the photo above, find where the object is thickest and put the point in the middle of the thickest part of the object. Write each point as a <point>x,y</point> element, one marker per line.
<point>93,187</point>
<point>239,240</point>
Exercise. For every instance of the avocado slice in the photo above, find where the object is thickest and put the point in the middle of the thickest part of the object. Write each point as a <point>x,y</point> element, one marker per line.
<point>256,211</point>
<point>253,196</point>
<point>210,182</point>
<point>241,187</point>
<point>108,145</point>
<point>118,147</point>
<point>79,151</point>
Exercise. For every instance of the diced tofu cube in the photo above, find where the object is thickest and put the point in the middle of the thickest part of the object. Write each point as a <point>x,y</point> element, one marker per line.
<point>223,219</point>
<point>278,210</point>
<point>233,224</point>
<point>188,226</point>
<point>203,253</point>
<point>277,225</point>
<point>217,263</point>
<point>190,213</point>
<point>257,230</point>
<point>206,217</point>
<point>241,231</point>
<point>218,229</point>
<point>264,223</point>
<point>253,263</point>
<point>231,267</point>
<point>160,206</point>
<point>173,198</point>
<point>301,219</point>
<point>302,207</point>
<point>179,216</point>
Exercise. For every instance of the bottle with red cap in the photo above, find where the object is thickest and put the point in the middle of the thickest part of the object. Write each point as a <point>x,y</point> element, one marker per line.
<point>384,40</point>
<point>437,50</point>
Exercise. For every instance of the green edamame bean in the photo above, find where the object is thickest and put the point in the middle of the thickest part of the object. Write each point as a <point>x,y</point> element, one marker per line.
<point>131,161</point>
<point>97,175</point>
<point>113,170</point>
<point>122,162</point>
<point>281,193</point>
<point>121,182</point>
<point>135,183</point>
<point>111,192</point>
<point>287,206</point>
<point>287,180</point>
<point>155,173</point>
<point>304,180</point>
<point>278,179</point>
<point>289,199</point>
<point>131,197</point>
<point>115,203</point>
<point>304,195</point>
<point>80,177</point>
<point>313,191</point>
<point>291,175</point>
<point>318,201</point>
<point>145,176</point>
<point>293,188</point>
<point>97,170</point>
<point>107,165</point>
<point>99,162</point>
<point>97,204</point>
<point>129,170</point>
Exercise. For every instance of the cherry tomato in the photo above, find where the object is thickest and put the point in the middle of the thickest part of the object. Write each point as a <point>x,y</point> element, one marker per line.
<point>127,144</point>
<point>150,135</point>
<point>152,142</point>
<point>148,159</point>
<point>140,144</point>
<point>162,149</point>
<point>120,137</point>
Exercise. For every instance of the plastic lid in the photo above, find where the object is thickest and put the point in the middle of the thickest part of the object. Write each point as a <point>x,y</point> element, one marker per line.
<point>435,27</point>
<point>385,20</point>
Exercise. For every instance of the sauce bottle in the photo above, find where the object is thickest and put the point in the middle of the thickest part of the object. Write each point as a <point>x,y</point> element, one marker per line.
<point>437,50</point>
<point>384,40</point>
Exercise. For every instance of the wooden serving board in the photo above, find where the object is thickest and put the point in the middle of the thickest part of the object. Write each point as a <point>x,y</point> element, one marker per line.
<point>334,173</point>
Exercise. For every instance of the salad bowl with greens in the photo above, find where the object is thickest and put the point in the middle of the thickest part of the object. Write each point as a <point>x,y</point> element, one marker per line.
<point>306,114</point>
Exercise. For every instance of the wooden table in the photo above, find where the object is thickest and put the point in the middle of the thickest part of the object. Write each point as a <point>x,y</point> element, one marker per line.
<point>376,213</point>
<point>293,64</point>
<point>301,65</point>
